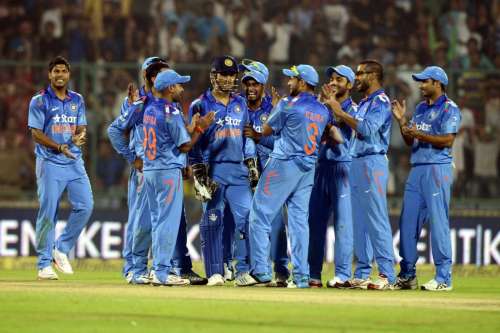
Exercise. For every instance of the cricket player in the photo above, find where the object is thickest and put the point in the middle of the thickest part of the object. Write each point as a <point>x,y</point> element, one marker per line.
<point>332,191</point>
<point>260,104</point>
<point>299,121</point>
<point>224,166</point>
<point>166,142</point>
<point>430,132</point>
<point>126,134</point>
<point>370,172</point>
<point>58,125</point>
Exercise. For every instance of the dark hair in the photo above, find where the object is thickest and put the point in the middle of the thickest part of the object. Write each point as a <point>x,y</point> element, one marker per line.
<point>59,60</point>
<point>376,67</point>
<point>153,70</point>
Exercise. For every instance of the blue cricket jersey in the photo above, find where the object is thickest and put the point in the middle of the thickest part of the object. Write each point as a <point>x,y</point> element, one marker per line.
<point>299,123</point>
<point>257,118</point>
<point>374,125</point>
<point>164,131</point>
<point>130,121</point>
<point>223,141</point>
<point>442,117</point>
<point>58,120</point>
<point>341,152</point>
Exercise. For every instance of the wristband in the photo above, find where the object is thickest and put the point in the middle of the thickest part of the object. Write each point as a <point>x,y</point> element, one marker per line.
<point>199,129</point>
<point>59,148</point>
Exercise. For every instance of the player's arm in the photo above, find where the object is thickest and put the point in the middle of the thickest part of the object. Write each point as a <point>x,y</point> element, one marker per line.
<point>44,140</point>
<point>438,141</point>
<point>199,125</point>
<point>276,119</point>
<point>399,112</point>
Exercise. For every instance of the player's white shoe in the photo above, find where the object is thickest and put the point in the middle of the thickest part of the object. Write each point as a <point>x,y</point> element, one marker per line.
<point>129,277</point>
<point>215,280</point>
<point>229,272</point>
<point>360,283</point>
<point>338,284</point>
<point>47,273</point>
<point>61,262</point>
<point>382,283</point>
<point>433,285</point>
<point>141,279</point>
<point>175,280</point>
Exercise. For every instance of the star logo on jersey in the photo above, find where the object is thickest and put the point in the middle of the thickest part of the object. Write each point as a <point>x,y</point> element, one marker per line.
<point>56,118</point>
<point>73,107</point>
<point>220,122</point>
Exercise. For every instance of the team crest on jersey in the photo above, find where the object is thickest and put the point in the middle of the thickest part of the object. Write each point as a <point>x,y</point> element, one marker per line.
<point>263,118</point>
<point>433,115</point>
<point>237,109</point>
<point>73,107</point>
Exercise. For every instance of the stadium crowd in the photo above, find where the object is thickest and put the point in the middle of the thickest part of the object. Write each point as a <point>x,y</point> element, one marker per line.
<point>461,36</point>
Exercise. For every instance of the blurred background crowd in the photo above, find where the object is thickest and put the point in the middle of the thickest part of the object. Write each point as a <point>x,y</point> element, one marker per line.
<point>106,40</point>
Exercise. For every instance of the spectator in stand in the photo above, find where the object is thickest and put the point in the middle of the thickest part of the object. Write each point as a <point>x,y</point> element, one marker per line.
<point>280,32</point>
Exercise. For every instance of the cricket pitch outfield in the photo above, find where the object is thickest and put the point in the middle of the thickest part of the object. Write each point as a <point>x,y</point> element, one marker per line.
<point>97,299</point>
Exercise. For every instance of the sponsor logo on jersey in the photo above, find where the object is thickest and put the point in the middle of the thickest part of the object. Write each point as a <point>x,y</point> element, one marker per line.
<point>424,127</point>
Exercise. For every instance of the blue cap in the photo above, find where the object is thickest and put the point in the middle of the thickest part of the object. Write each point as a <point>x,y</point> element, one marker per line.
<point>151,60</point>
<point>304,72</point>
<point>257,76</point>
<point>432,72</point>
<point>254,67</point>
<point>341,70</point>
<point>168,78</point>
<point>225,65</point>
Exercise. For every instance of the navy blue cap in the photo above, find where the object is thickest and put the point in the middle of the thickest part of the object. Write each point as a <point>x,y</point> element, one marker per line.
<point>168,78</point>
<point>341,70</point>
<point>304,72</point>
<point>226,65</point>
<point>432,72</point>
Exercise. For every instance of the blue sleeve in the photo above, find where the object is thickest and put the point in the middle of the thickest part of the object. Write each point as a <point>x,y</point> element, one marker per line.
<point>451,120</point>
<point>120,126</point>
<point>267,141</point>
<point>277,117</point>
<point>176,127</point>
<point>375,117</point>
<point>82,118</point>
<point>250,150</point>
<point>36,114</point>
<point>196,153</point>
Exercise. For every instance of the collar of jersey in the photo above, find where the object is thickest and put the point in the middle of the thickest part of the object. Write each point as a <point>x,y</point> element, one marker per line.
<point>211,98</point>
<point>52,94</point>
<point>346,104</point>
<point>441,99</point>
<point>372,95</point>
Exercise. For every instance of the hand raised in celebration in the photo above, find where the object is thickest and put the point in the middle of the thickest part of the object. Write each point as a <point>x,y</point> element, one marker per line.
<point>399,111</point>
<point>133,93</point>
<point>275,96</point>
<point>329,98</point>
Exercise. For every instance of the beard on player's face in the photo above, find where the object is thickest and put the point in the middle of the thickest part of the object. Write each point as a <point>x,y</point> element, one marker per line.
<point>293,86</point>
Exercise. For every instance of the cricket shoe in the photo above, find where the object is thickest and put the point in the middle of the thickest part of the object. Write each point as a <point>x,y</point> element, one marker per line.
<point>229,272</point>
<point>280,281</point>
<point>433,285</point>
<point>194,279</point>
<point>315,283</point>
<point>337,283</point>
<point>406,283</point>
<point>298,284</point>
<point>129,277</point>
<point>382,283</point>
<point>47,273</point>
<point>142,279</point>
<point>215,280</point>
<point>172,280</point>
<point>247,280</point>
<point>61,262</point>
<point>360,283</point>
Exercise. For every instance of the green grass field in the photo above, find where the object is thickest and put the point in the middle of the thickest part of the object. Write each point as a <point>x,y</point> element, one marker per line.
<point>96,299</point>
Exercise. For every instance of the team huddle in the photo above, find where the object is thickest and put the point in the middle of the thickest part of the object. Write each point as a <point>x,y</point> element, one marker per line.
<point>257,160</point>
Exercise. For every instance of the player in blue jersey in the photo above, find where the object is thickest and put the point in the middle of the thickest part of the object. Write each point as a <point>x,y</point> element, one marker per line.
<point>58,126</point>
<point>260,105</point>
<point>223,167</point>
<point>299,121</point>
<point>332,191</point>
<point>430,132</point>
<point>370,172</point>
<point>127,136</point>
<point>166,142</point>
